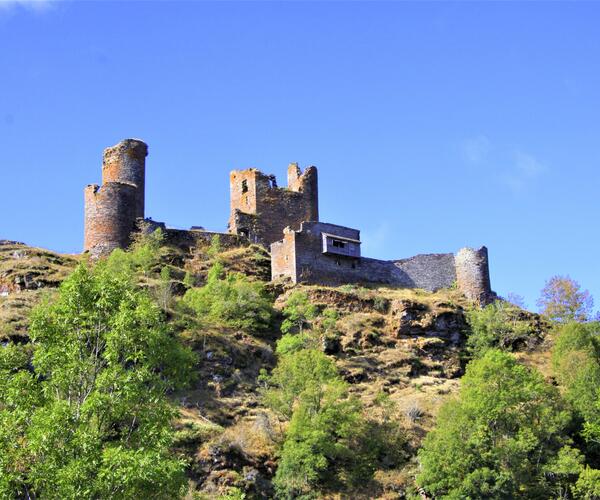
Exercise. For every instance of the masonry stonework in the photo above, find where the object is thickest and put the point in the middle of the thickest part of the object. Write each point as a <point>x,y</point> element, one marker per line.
<point>286,219</point>
<point>302,258</point>
<point>126,163</point>
<point>260,210</point>
<point>109,217</point>
<point>111,210</point>
<point>473,274</point>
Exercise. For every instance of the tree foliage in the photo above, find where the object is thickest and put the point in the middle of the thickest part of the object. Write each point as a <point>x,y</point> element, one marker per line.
<point>231,299</point>
<point>562,300</point>
<point>299,312</point>
<point>497,325</point>
<point>328,442</point>
<point>499,438</point>
<point>576,363</point>
<point>90,418</point>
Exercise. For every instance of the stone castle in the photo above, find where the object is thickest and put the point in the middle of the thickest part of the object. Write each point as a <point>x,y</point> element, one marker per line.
<point>282,219</point>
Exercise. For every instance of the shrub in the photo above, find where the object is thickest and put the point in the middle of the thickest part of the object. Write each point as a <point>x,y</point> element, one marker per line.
<point>497,325</point>
<point>299,312</point>
<point>142,256</point>
<point>231,299</point>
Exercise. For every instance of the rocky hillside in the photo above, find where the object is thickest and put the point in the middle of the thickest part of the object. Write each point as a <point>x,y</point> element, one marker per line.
<point>402,346</point>
<point>26,276</point>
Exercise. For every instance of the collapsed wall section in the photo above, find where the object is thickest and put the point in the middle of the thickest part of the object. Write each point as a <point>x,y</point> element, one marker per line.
<point>109,217</point>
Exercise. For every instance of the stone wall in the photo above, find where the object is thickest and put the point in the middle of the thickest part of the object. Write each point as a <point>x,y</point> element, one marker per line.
<point>260,210</point>
<point>429,271</point>
<point>300,258</point>
<point>109,217</point>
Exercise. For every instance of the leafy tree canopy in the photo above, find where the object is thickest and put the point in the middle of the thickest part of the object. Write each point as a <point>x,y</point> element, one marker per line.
<point>562,300</point>
<point>231,299</point>
<point>89,418</point>
<point>498,438</point>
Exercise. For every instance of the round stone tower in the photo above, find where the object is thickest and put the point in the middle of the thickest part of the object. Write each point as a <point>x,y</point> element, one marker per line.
<point>126,163</point>
<point>112,210</point>
<point>109,217</point>
<point>473,274</point>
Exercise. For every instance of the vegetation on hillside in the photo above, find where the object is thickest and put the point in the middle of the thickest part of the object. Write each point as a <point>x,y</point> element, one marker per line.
<point>165,373</point>
<point>88,418</point>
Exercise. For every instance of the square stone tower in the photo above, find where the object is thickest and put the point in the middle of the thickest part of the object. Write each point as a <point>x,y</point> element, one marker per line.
<point>261,211</point>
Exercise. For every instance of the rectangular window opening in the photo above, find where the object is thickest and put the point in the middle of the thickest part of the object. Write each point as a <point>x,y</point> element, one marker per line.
<point>244,186</point>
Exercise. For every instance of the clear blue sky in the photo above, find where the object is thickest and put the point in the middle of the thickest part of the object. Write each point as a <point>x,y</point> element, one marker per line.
<point>434,125</point>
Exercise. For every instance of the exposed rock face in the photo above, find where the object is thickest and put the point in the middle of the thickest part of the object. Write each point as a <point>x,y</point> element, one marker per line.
<point>26,274</point>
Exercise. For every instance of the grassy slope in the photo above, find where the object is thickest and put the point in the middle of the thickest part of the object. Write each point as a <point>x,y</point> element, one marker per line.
<point>30,275</point>
<point>407,344</point>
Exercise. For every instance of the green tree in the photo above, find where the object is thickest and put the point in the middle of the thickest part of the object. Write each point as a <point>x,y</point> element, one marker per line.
<point>576,364</point>
<point>329,442</point>
<point>498,437</point>
<point>318,445</point>
<point>231,299</point>
<point>562,300</point>
<point>91,419</point>
<point>497,325</point>
<point>299,312</point>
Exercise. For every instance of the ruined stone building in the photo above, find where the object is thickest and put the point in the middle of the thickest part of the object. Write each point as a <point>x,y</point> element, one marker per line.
<point>111,210</point>
<point>282,219</point>
<point>322,253</point>
<point>260,210</point>
<point>114,210</point>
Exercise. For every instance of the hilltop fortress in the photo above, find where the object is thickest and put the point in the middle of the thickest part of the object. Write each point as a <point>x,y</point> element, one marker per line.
<point>282,219</point>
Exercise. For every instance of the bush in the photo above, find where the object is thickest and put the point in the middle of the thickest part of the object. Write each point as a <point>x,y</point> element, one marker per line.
<point>142,256</point>
<point>497,325</point>
<point>232,300</point>
<point>299,312</point>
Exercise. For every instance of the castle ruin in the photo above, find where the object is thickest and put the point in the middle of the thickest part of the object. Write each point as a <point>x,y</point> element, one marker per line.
<point>282,219</point>
<point>260,210</point>
<point>111,210</point>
